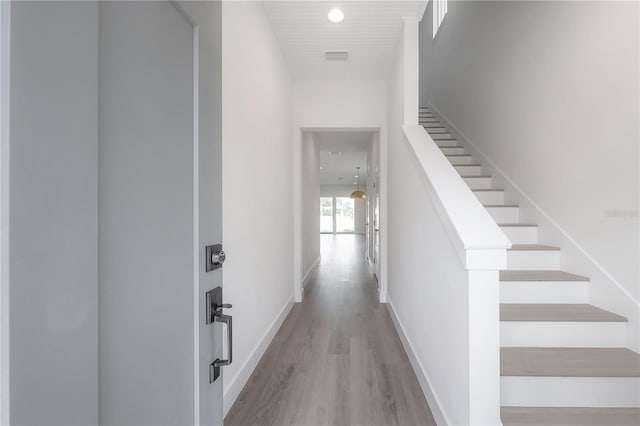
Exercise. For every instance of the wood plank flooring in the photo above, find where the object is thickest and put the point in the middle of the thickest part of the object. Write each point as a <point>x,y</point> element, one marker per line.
<point>337,359</point>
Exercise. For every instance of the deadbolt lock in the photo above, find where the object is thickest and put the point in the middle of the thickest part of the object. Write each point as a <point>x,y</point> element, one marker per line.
<point>215,257</point>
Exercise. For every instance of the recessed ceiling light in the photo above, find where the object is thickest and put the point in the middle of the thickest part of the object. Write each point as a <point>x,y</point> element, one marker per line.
<point>336,16</point>
<point>321,168</point>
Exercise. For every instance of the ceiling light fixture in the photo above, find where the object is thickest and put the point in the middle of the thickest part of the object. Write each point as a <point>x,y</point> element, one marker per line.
<point>335,16</point>
<point>358,195</point>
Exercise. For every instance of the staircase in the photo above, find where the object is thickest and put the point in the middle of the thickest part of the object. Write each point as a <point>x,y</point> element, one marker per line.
<point>563,361</point>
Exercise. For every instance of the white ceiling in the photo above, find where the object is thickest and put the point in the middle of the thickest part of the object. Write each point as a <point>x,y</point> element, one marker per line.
<point>370,32</point>
<point>353,147</point>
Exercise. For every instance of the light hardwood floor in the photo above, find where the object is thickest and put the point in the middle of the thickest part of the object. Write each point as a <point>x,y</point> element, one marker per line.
<point>337,359</point>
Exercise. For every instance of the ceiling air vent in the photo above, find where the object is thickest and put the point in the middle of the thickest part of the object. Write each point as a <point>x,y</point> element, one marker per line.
<point>336,55</point>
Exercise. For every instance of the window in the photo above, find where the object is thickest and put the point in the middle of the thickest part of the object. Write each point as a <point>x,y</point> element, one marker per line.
<point>337,214</point>
<point>326,214</point>
<point>439,11</point>
<point>345,218</point>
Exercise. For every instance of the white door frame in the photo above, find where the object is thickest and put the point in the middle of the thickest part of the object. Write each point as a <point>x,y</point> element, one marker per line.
<point>298,140</point>
<point>5,26</point>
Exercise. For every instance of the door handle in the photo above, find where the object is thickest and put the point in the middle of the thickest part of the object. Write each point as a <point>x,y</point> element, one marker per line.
<point>214,367</point>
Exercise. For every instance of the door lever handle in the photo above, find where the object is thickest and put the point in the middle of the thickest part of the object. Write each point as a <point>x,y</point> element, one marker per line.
<point>214,367</point>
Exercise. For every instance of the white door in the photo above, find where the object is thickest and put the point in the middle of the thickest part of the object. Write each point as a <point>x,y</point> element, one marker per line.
<point>376,229</point>
<point>159,205</point>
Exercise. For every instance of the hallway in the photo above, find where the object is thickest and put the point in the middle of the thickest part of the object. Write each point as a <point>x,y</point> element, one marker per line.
<point>337,359</point>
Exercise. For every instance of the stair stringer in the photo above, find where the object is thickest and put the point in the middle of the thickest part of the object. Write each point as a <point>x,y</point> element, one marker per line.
<point>604,290</point>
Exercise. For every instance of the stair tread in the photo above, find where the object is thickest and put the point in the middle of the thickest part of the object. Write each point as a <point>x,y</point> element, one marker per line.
<point>517,225</point>
<point>488,190</point>
<point>533,247</point>
<point>540,276</point>
<point>556,313</point>
<point>569,362</point>
<point>458,155</point>
<point>569,416</point>
<point>467,165</point>
<point>476,176</point>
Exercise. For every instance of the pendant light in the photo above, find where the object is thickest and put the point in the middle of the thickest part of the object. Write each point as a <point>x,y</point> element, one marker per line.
<point>358,195</point>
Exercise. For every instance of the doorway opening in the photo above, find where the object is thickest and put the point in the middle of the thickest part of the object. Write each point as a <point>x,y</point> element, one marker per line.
<point>335,164</point>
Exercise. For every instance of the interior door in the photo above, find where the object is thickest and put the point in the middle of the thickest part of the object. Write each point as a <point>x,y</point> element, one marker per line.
<point>376,229</point>
<point>159,205</point>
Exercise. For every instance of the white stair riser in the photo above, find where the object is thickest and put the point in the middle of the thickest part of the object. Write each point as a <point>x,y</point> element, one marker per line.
<point>467,159</point>
<point>469,170</point>
<point>478,182</point>
<point>521,234</point>
<point>545,260</point>
<point>432,125</point>
<point>458,150</point>
<point>562,334</point>
<point>447,144</point>
<point>423,120</point>
<point>544,292</point>
<point>570,391</point>
<point>490,197</point>
<point>438,130</point>
<point>426,115</point>
<point>505,214</point>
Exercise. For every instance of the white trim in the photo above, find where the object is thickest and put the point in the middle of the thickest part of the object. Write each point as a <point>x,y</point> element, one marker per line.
<point>439,13</point>
<point>5,34</point>
<point>196,223</point>
<point>315,263</point>
<point>298,287</point>
<point>439,415</point>
<point>236,384</point>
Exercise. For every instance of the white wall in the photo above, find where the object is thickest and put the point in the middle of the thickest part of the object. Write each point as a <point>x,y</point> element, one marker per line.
<point>53,210</point>
<point>443,295</point>
<point>548,92</point>
<point>340,104</point>
<point>335,105</point>
<point>257,186</point>
<point>425,41</point>
<point>360,206</point>
<point>420,258</point>
<point>310,202</point>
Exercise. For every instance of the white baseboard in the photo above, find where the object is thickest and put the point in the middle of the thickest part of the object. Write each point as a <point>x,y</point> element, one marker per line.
<point>306,275</point>
<point>435,406</point>
<point>237,383</point>
<point>604,290</point>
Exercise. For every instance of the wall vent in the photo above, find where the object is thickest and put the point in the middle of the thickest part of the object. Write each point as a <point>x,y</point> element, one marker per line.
<point>336,55</point>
